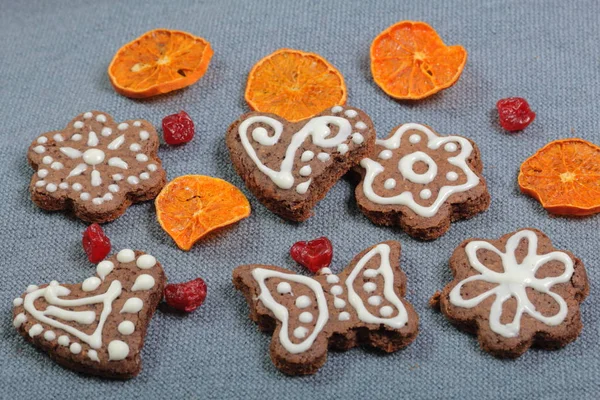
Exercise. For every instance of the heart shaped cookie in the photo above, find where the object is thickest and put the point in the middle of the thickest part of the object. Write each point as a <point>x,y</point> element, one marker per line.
<point>96,327</point>
<point>290,167</point>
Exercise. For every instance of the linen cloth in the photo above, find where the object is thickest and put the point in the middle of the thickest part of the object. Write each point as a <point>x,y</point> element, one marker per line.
<point>53,62</point>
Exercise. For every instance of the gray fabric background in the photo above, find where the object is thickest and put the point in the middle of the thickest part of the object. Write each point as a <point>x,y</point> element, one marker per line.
<point>53,60</point>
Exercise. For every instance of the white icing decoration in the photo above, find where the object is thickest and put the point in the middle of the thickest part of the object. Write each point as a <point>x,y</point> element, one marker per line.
<point>375,300</point>
<point>389,183</point>
<point>117,162</point>
<point>333,279</point>
<point>107,197</point>
<point>337,109</point>
<point>63,340</point>
<point>452,176</point>
<point>78,170</point>
<point>358,138</point>
<point>425,194</point>
<point>342,148</point>
<point>336,290</point>
<point>81,317</point>
<point>143,282</point>
<point>104,268</point>
<point>305,171</point>
<point>75,348</point>
<point>78,125</point>
<point>122,126</point>
<point>87,115</point>
<point>385,154</point>
<point>386,311</point>
<point>40,183</point>
<point>47,160</point>
<point>58,137</point>
<point>339,303</point>
<point>115,144</point>
<point>370,273</point>
<point>113,188</point>
<point>145,261</point>
<point>106,131</point>
<point>117,177</point>
<point>373,169</point>
<point>144,176</point>
<point>307,156</point>
<point>57,166</point>
<point>92,139</point>
<point>323,157</point>
<point>344,316</point>
<point>414,138</point>
<point>514,281</point>
<point>17,302</point>
<point>19,320</point>
<point>369,287</point>
<point>42,173</point>
<point>141,157</point>
<point>32,288</point>
<point>117,350</point>
<point>133,305</point>
<point>284,288</point>
<point>93,355</point>
<point>85,196</point>
<point>133,180</point>
<point>317,128</point>
<point>101,118</point>
<point>91,284</point>
<point>324,271</point>
<point>70,152</point>
<point>137,124</point>
<point>360,125</point>
<point>450,147</point>
<point>76,137</point>
<point>42,139</point>
<point>63,185</point>
<point>305,317</point>
<point>144,135</point>
<point>49,335</point>
<point>35,330</point>
<point>126,256</point>
<point>126,328</point>
<point>93,156</point>
<point>77,187</point>
<point>303,301</point>
<point>51,187</point>
<point>302,188</point>
<point>97,201</point>
<point>350,113</point>
<point>300,332</point>
<point>39,149</point>
<point>96,179</point>
<point>135,147</point>
<point>151,167</point>
<point>281,313</point>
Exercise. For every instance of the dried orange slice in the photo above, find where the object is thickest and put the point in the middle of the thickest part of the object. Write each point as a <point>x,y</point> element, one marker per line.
<point>159,61</point>
<point>409,61</point>
<point>191,206</point>
<point>564,176</point>
<point>294,85</point>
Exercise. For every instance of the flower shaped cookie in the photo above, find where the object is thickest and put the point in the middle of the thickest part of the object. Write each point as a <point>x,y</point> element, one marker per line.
<point>96,167</point>
<point>515,292</point>
<point>422,181</point>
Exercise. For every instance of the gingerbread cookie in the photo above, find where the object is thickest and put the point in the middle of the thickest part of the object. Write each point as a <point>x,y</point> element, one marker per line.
<point>96,167</point>
<point>363,305</point>
<point>290,167</point>
<point>515,292</point>
<point>96,327</point>
<point>421,181</point>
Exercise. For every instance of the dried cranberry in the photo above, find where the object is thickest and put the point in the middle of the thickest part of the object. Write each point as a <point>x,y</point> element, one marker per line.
<point>186,296</point>
<point>178,128</point>
<point>95,243</point>
<point>515,114</point>
<point>314,255</point>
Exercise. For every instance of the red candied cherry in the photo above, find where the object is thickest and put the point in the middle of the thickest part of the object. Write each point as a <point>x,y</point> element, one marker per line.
<point>515,114</point>
<point>178,128</point>
<point>95,243</point>
<point>314,254</point>
<point>186,296</point>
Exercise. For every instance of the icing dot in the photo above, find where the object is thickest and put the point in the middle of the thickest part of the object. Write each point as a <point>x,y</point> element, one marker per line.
<point>57,166</point>
<point>76,137</point>
<point>337,290</point>
<point>42,173</point>
<point>77,187</point>
<point>374,300</point>
<point>303,187</point>
<point>144,135</point>
<point>117,177</point>
<point>78,125</point>
<point>370,273</point>
<point>35,330</point>
<point>104,268</point>
<point>122,126</point>
<point>126,328</point>
<point>135,147</point>
<point>113,188</point>
<point>360,125</point>
<point>141,157</point>
<point>284,288</point>
<point>93,156</point>
<point>132,306</point>
<point>386,311</point>
<point>143,282</point>
<point>97,201</point>
<point>389,183</point>
<point>137,124</point>
<point>425,194</point>
<point>323,157</point>
<point>51,187</point>
<point>32,288</point>
<point>92,139</point>
<point>342,148</point>
<point>449,147</point>
<point>385,154</point>
<point>151,167</point>
<point>75,348</point>
<point>324,271</point>
<point>117,350</point>
<point>106,131</point>
<point>300,332</point>
<point>63,185</point>
<point>333,279</point>
<point>58,137</point>
<point>42,139</point>
<point>63,340</point>
<point>357,138</point>
<point>145,261</point>
<point>452,176</point>
<point>307,156</point>
<point>49,335</point>
<point>101,118</point>
<point>305,171</point>
<point>18,301</point>
<point>337,109</point>
<point>90,284</point>
<point>125,256</point>
<point>303,301</point>
<point>350,113</point>
<point>39,149</point>
<point>414,138</point>
<point>305,317</point>
<point>87,115</point>
<point>47,160</point>
<point>93,355</point>
<point>19,320</point>
<point>133,180</point>
<point>339,303</point>
<point>144,176</point>
<point>369,287</point>
<point>40,183</point>
<point>344,316</point>
<point>107,197</point>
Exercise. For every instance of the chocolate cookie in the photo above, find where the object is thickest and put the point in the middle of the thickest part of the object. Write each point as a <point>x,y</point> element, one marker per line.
<point>96,327</point>
<point>421,181</point>
<point>515,292</point>
<point>96,167</point>
<point>290,167</point>
<point>363,305</point>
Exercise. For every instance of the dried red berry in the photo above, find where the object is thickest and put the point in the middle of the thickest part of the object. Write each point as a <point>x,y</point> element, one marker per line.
<point>314,255</point>
<point>178,128</point>
<point>515,114</point>
<point>186,296</point>
<point>95,243</point>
